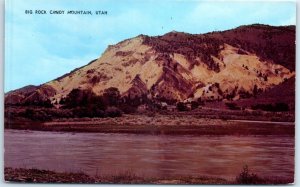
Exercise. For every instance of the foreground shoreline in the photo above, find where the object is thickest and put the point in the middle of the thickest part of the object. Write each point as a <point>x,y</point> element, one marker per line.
<point>21,175</point>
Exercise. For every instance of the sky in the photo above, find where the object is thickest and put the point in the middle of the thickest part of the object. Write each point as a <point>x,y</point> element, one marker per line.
<point>42,47</point>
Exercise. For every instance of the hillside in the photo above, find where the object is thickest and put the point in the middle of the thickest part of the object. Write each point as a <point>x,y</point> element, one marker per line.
<point>283,93</point>
<point>228,65</point>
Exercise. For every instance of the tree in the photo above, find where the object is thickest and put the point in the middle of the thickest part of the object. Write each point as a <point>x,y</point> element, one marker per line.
<point>111,96</point>
<point>255,90</point>
<point>194,105</point>
<point>181,106</point>
<point>99,102</point>
<point>82,98</point>
<point>281,107</point>
<point>75,98</point>
<point>232,106</point>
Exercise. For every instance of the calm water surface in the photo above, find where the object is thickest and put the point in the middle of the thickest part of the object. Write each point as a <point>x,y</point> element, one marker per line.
<point>149,155</point>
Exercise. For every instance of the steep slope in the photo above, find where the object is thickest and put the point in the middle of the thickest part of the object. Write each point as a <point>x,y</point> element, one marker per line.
<point>16,96</point>
<point>138,88</point>
<point>276,44</point>
<point>179,66</point>
<point>30,95</point>
<point>283,93</point>
<point>117,67</point>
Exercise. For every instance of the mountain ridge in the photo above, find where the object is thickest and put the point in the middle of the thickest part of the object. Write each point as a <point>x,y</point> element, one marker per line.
<point>180,66</point>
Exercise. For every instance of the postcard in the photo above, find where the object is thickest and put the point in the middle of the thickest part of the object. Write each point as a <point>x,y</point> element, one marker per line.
<point>149,92</point>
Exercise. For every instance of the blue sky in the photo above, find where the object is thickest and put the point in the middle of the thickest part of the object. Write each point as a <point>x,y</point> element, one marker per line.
<point>39,48</point>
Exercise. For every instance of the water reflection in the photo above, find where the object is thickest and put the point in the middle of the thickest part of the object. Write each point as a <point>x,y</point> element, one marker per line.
<point>150,155</point>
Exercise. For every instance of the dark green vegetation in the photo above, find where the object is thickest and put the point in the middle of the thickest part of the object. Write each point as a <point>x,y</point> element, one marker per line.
<point>283,94</point>
<point>274,108</point>
<point>78,103</point>
<point>45,176</point>
<point>179,124</point>
<point>84,103</point>
<point>247,177</point>
<point>83,111</point>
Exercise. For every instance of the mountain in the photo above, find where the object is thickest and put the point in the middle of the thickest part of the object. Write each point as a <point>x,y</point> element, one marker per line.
<point>178,66</point>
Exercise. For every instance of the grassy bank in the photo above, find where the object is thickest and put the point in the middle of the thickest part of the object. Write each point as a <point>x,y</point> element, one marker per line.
<point>158,124</point>
<point>45,176</point>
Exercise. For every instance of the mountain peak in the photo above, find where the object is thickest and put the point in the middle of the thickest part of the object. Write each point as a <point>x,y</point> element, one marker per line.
<point>177,66</point>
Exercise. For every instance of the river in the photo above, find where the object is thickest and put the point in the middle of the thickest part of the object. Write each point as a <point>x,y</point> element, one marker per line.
<point>149,155</point>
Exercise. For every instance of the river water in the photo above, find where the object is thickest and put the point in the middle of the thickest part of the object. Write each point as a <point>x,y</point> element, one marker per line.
<point>149,155</point>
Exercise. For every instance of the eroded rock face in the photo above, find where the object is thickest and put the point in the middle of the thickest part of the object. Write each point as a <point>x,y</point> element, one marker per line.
<point>179,66</point>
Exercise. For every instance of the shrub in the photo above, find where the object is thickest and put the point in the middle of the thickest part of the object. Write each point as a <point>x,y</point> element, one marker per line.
<point>80,112</point>
<point>232,106</point>
<point>90,111</point>
<point>94,80</point>
<point>181,106</point>
<point>29,113</point>
<point>90,71</point>
<point>194,105</point>
<point>78,97</point>
<point>84,98</point>
<point>128,109</point>
<point>282,107</point>
<point>113,112</point>
<point>245,177</point>
<point>38,102</point>
<point>112,96</point>
<point>61,113</point>
<point>277,107</point>
<point>36,115</point>
<point>126,176</point>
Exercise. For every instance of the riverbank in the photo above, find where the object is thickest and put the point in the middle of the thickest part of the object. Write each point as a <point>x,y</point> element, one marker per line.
<point>21,175</point>
<point>157,124</point>
<point>45,176</point>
